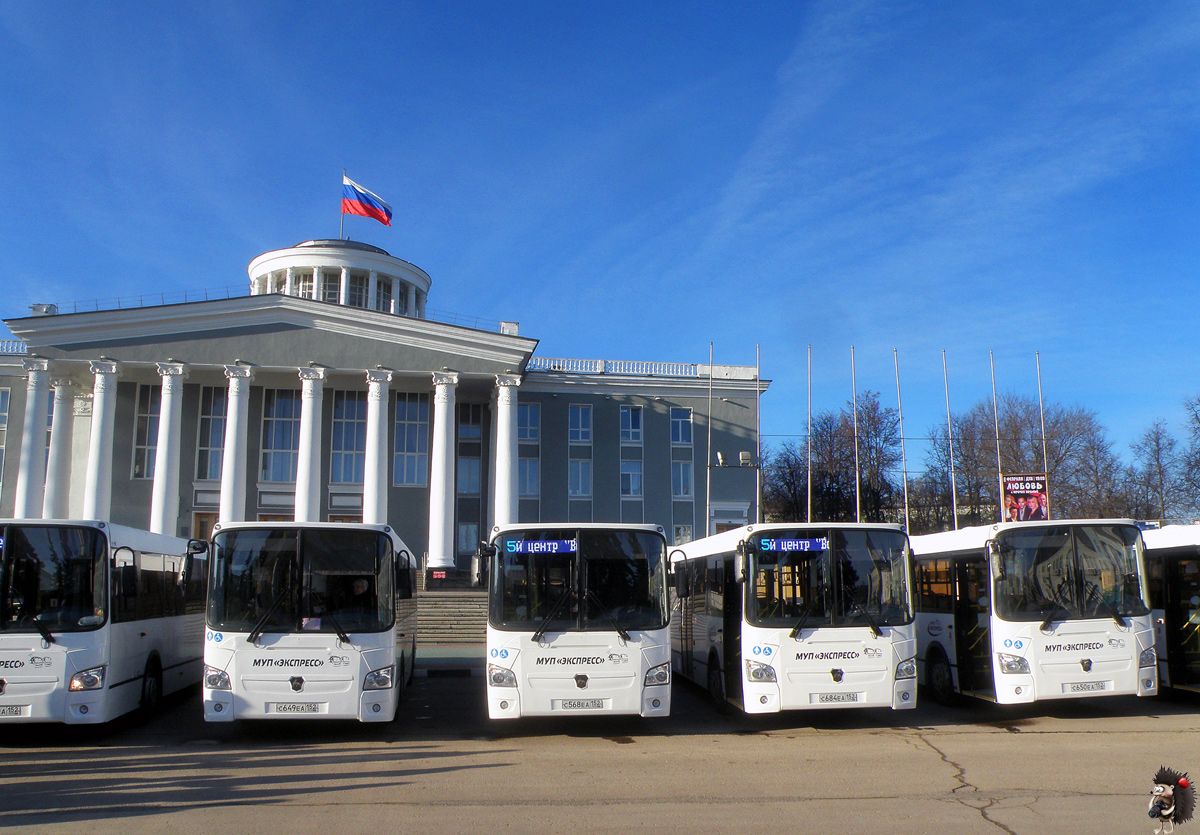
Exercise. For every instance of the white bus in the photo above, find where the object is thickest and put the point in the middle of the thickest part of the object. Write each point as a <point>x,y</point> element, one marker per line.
<point>1173,577</point>
<point>795,616</point>
<point>96,619</point>
<point>577,620</point>
<point>310,620</point>
<point>1022,611</point>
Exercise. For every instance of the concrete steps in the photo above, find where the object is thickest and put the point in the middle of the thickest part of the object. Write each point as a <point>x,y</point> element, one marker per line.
<point>451,618</point>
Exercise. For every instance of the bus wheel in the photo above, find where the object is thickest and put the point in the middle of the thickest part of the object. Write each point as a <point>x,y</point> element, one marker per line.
<point>939,679</point>
<point>152,688</point>
<point>716,687</point>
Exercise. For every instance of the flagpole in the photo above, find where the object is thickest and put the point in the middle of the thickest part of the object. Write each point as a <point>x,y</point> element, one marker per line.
<point>950,438</point>
<point>709,450</point>
<point>808,437</point>
<point>903,457</point>
<point>854,404</point>
<point>1042,413</point>
<point>996,424</point>
<point>342,216</point>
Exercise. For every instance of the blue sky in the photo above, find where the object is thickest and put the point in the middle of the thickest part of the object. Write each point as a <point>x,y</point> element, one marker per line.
<point>637,180</point>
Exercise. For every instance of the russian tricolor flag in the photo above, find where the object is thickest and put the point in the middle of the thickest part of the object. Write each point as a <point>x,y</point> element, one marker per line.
<point>356,200</point>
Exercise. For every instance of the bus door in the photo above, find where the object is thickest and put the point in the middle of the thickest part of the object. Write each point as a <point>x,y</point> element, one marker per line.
<point>732,631</point>
<point>972,643</point>
<point>1181,620</point>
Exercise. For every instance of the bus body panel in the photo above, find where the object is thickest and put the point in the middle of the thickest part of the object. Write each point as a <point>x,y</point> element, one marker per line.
<point>314,674</point>
<point>578,673</point>
<point>290,675</point>
<point>824,666</point>
<point>35,673</point>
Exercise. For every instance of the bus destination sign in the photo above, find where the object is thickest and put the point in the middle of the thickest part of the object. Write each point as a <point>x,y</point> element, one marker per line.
<point>820,543</point>
<point>542,546</point>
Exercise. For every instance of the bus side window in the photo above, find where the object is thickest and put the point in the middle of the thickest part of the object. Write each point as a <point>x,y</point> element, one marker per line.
<point>195,584</point>
<point>124,593</point>
<point>151,592</point>
<point>1154,582</point>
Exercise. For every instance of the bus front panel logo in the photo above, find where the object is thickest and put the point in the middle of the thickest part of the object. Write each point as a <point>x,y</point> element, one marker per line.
<point>581,681</point>
<point>837,675</point>
<point>297,683</point>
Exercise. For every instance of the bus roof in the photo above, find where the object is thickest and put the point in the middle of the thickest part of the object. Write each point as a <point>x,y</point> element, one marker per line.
<point>727,541</point>
<point>581,526</point>
<point>397,542</point>
<point>1172,536</point>
<point>117,535</point>
<point>976,536</point>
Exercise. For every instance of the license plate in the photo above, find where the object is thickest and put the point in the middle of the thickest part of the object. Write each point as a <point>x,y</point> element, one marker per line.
<point>1086,686</point>
<point>582,704</point>
<point>297,707</point>
<point>12,710</point>
<point>837,697</point>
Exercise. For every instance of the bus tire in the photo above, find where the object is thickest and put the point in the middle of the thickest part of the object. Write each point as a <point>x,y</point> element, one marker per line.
<point>152,687</point>
<point>716,686</point>
<point>412,662</point>
<point>939,679</point>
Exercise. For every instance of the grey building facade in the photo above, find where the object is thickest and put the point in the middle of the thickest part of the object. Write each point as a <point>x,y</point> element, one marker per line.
<point>328,394</point>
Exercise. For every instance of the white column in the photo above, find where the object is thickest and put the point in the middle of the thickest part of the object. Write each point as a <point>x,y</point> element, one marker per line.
<point>58,467</point>
<point>410,301</point>
<point>375,482</point>
<point>289,283</point>
<point>97,489</point>
<point>372,290</point>
<point>344,287</point>
<point>31,478</point>
<point>233,453</point>
<point>395,295</point>
<point>164,497</point>
<point>506,448</point>
<point>318,285</point>
<point>441,473</point>
<point>308,460</point>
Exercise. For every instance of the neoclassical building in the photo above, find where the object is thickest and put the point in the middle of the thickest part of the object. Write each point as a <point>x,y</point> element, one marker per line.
<point>329,393</point>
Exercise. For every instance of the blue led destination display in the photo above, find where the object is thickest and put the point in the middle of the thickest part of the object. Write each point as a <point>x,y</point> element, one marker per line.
<point>542,546</point>
<point>820,543</point>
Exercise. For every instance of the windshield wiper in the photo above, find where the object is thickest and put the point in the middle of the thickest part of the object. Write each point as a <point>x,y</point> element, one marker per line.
<point>341,633</point>
<point>541,630</point>
<point>600,605</point>
<point>800,623</point>
<point>45,630</point>
<point>1094,593</point>
<point>854,604</point>
<point>262,621</point>
<point>1055,606</point>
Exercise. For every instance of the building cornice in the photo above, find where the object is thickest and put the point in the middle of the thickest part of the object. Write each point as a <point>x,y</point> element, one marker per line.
<point>549,382</point>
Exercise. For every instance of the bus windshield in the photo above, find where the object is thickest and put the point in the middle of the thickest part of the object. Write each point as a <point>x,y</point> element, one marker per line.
<point>809,578</point>
<point>301,580</point>
<point>1068,572</point>
<point>569,580</point>
<point>52,577</point>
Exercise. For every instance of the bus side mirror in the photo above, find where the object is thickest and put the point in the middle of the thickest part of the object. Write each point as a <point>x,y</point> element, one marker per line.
<point>197,546</point>
<point>742,550</point>
<point>993,556</point>
<point>404,583</point>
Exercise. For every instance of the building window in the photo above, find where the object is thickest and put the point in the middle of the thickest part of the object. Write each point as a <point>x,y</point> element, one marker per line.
<point>211,441</point>
<point>470,421</point>
<point>383,294</point>
<point>331,285</point>
<point>631,479</point>
<point>579,429</point>
<point>145,434</point>
<point>4,395</point>
<point>681,426</point>
<point>469,470</point>
<point>410,464</point>
<point>529,421</point>
<point>683,534</point>
<point>631,424</point>
<point>304,285</point>
<point>281,435</point>
<point>579,478</point>
<point>348,448</point>
<point>356,291</point>
<point>529,478</point>
<point>681,480</point>
<point>468,537</point>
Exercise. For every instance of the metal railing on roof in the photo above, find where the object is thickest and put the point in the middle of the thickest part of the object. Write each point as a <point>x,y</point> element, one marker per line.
<point>13,346</point>
<point>633,368</point>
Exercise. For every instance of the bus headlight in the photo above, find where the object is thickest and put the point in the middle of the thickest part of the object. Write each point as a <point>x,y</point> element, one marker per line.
<point>215,679</point>
<point>1148,658</point>
<point>1012,663</point>
<point>658,675</point>
<point>759,672</point>
<point>501,677</point>
<point>379,679</point>
<point>907,668</point>
<point>92,679</point>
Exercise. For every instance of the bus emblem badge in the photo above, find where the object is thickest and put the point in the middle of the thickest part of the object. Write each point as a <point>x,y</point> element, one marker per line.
<point>3,684</point>
<point>1086,664</point>
<point>581,681</point>
<point>297,683</point>
<point>837,675</point>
